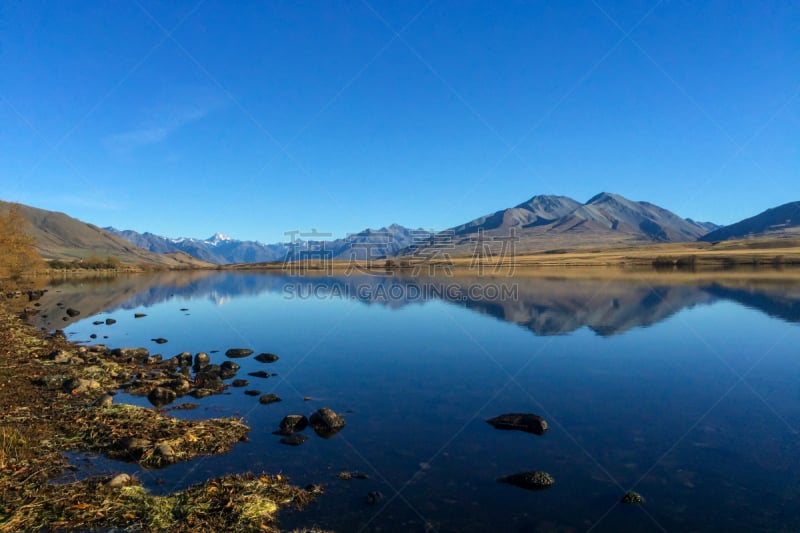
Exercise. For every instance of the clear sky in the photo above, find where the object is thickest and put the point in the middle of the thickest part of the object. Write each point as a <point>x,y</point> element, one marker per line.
<point>184,118</point>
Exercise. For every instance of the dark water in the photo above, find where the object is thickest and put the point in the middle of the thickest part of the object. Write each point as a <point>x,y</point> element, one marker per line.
<point>688,393</point>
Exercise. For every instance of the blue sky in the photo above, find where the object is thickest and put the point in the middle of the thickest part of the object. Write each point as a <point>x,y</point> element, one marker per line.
<point>259,118</point>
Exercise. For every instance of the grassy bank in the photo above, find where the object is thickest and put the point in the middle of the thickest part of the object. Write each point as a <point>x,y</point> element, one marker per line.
<point>49,406</point>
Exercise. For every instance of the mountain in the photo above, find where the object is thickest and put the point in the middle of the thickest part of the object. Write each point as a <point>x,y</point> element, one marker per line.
<point>538,211</point>
<point>59,236</point>
<point>556,222</point>
<point>222,249</point>
<point>779,221</point>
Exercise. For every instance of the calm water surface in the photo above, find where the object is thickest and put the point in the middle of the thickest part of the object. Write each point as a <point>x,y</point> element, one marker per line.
<point>687,393</point>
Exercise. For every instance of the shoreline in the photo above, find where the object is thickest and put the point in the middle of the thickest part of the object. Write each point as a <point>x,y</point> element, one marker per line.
<point>54,398</point>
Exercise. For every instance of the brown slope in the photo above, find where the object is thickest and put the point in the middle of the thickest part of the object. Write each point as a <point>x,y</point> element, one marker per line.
<point>59,236</point>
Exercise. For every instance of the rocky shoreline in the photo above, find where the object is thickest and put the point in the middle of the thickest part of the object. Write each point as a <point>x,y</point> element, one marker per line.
<point>57,396</point>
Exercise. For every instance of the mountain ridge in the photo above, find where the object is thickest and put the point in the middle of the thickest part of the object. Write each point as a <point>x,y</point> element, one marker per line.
<point>783,220</point>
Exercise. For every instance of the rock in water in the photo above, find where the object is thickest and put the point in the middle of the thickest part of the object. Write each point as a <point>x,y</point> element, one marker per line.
<point>159,340</point>
<point>269,398</point>
<point>238,352</point>
<point>632,497</point>
<point>527,422</point>
<point>326,422</point>
<point>266,358</point>
<point>373,498</point>
<point>293,423</point>
<point>295,439</point>
<point>161,396</point>
<point>201,360</point>
<point>228,369</point>
<point>534,480</point>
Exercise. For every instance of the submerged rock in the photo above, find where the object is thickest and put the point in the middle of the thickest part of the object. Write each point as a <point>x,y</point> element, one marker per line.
<point>326,422</point>
<point>259,374</point>
<point>139,315</point>
<point>373,498</point>
<point>292,424</point>
<point>527,422</point>
<point>295,439</point>
<point>159,340</point>
<point>269,398</point>
<point>110,321</point>
<point>240,383</point>
<point>266,358</point>
<point>252,392</point>
<point>632,497</point>
<point>238,352</point>
<point>534,480</point>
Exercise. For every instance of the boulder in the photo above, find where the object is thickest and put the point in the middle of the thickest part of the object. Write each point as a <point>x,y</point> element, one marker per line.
<point>266,358</point>
<point>527,422</point>
<point>161,396</point>
<point>228,369</point>
<point>201,360</point>
<point>72,312</point>
<point>326,422</point>
<point>79,385</point>
<point>269,398</point>
<point>136,354</point>
<point>259,374</point>
<point>119,481</point>
<point>110,321</point>
<point>632,498</point>
<point>234,353</point>
<point>185,358</point>
<point>293,424</point>
<point>240,383</point>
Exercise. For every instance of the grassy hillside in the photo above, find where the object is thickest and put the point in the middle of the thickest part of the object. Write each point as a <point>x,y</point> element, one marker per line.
<point>59,236</point>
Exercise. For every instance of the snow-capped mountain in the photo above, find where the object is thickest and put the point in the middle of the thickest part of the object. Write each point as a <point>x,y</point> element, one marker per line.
<point>223,249</point>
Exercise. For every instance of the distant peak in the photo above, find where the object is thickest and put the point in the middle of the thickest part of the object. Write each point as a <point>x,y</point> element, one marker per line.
<point>604,197</point>
<point>219,237</point>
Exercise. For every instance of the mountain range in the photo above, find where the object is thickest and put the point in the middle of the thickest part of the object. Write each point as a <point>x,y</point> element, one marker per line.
<point>544,223</point>
<point>221,249</point>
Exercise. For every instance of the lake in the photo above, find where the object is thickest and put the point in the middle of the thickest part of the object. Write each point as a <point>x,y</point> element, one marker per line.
<point>686,391</point>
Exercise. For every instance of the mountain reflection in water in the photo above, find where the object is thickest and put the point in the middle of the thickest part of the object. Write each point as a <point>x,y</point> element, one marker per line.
<point>545,306</point>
